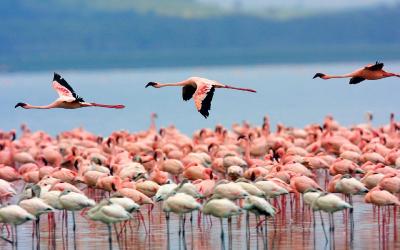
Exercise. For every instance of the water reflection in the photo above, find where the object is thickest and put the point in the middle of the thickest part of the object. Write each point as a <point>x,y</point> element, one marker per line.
<point>294,227</point>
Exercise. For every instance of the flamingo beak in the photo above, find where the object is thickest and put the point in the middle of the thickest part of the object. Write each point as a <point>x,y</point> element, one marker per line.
<point>320,75</point>
<point>20,104</point>
<point>151,84</point>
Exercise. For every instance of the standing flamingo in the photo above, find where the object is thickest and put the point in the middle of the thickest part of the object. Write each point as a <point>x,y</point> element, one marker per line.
<point>68,99</point>
<point>109,213</point>
<point>221,208</point>
<point>201,89</point>
<point>369,72</point>
<point>329,203</point>
<point>15,215</point>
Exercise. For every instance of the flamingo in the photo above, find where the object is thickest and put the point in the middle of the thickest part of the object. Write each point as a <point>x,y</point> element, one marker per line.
<point>74,202</point>
<point>15,215</point>
<point>181,204</point>
<point>201,89</point>
<point>68,99</point>
<point>109,213</point>
<point>329,203</point>
<point>259,206</point>
<point>164,191</point>
<point>369,72</point>
<point>221,208</point>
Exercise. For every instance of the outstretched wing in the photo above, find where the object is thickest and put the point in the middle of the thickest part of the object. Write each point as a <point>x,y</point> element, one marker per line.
<point>375,67</point>
<point>203,97</point>
<point>65,90</point>
<point>188,91</point>
<point>355,80</point>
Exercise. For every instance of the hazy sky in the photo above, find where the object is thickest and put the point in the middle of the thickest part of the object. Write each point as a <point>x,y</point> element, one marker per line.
<point>302,3</point>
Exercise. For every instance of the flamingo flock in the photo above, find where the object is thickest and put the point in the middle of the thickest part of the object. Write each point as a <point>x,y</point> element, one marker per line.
<point>222,173</point>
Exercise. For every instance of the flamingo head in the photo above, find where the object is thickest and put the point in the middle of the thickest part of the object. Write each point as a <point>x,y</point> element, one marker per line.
<point>320,75</point>
<point>153,84</point>
<point>208,174</point>
<point>21,104</point>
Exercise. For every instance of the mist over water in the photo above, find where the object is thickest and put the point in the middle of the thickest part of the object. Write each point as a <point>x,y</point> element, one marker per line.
<point>287,93</point>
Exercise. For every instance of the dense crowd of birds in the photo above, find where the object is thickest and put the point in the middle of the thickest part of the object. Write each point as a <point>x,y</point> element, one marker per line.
<point>220,172</point>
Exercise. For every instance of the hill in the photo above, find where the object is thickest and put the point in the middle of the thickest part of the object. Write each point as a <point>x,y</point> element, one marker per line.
<point>71,34</point>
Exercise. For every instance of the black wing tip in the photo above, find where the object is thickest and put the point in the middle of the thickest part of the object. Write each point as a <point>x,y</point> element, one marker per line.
<point>205,114</point>
<point>56,76</point>
<point>79,99</point>
<point>206,103</point>
<point>356,80</point>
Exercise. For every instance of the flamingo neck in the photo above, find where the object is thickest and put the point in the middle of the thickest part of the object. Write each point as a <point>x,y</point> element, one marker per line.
<point>161,85</point>
<point>336,76</point>
<point>28,106</point>
<point>247,153</point>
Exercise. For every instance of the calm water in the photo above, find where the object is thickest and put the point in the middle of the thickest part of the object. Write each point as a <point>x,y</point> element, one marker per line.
<point>285,92</point>
<point>292,229</point>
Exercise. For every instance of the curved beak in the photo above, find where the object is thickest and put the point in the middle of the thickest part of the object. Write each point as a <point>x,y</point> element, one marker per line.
<point>20,104</point>
<point>150,84</point>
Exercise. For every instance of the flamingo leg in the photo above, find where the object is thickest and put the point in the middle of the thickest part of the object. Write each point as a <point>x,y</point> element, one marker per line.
<point>323,226</point>
<point>266,233</point>
<point>109,236</point>
<point>222,229</point>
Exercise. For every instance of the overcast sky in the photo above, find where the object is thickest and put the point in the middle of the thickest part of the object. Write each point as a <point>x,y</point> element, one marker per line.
<point>302,3</point>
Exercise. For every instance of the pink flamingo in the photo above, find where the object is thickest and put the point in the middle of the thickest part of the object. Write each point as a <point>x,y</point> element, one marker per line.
<point>201,89</point>
<point>68,99</point>
<point>369,72</point>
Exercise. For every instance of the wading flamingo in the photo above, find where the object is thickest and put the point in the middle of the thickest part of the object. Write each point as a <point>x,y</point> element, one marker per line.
<point>109,213</point>
<point>201,89</point>
<point>221,208</point>
<point>329,203</point>
<point>15,215</point>
<point>68,99</point>
<point>369,72</point>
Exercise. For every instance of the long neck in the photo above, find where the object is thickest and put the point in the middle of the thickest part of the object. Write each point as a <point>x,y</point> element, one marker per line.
<point>183,83</point>
<point>247,152</point>
<point>28,106</point>
<point>338,76</point>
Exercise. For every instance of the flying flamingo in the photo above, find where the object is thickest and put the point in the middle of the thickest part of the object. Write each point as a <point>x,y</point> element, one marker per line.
<point>68,99</point>
<point>201,89</point>
<point>369,72</point>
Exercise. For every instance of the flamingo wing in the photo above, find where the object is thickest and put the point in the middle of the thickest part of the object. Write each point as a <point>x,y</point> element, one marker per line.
<point>203,97</point>
<point>375,67</point>
<point>188,91</point>
<point>64,90</point>
<point>355,80</point>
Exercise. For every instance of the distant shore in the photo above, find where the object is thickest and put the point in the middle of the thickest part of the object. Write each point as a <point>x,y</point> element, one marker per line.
<point>190,58</point>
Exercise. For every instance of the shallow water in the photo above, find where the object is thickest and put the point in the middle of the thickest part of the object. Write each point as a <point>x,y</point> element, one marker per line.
<point>292,229</point>
<point>287,93</point>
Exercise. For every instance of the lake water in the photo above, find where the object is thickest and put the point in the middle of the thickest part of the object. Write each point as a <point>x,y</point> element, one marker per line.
<point>292,228</point>
<point>287,93</point>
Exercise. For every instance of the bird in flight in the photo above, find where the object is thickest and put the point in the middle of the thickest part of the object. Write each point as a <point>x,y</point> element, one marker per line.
<point>201,89</point>
<point>369,72</point>
<point>68,99</point>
